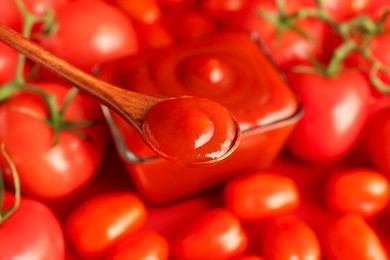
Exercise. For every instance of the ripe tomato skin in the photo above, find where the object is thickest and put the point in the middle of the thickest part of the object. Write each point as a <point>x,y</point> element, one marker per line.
<point>8,61</point>
<point>378,140</point>
<point>350,237</point>
<point>258,195</point>
<point>291,46</point>
<point>10,15</point>
<point>142,245</point>
<point>335,112</point>
<point>215,235</point>
<point>85,39</point>
<point>361,191</point>
<point>288,237</point>
<point>31,232</point>
<point>45,171</point>
<point>146,11</point>
<point>103,220</point>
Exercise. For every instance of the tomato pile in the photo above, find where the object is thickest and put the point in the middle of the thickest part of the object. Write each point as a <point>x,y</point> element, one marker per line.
<point>65,194</point>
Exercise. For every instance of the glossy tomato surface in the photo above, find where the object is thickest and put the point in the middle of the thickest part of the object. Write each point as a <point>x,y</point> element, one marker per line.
<point>32,232</point>
<point>103,34</point>
<point>361,191</point>
<point>288,237</point>
<point>216,235</point>
<point>47,171</point>
<point>258,195</point>
<point>101,221</point>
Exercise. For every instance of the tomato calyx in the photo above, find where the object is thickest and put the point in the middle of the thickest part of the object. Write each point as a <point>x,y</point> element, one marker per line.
<point>10,169</point>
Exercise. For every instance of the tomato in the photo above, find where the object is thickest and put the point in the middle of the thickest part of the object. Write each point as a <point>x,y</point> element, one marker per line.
<point>217,234</point>
<point>257,195</point>
<point>8,61</point>
<point>10,15</point>
<point>350,237</point>
<point>146,11</point>
<point>47,171</point>
<point>378,140</point>
<point>103,220</point>
<point>288,237</point>
<point>31,232</point>
<point>190,130</point>
<point>360,191</point>
<point>335,112</point>
<point>102,34</point>
<point>291,47</point>
<point>140,246</point>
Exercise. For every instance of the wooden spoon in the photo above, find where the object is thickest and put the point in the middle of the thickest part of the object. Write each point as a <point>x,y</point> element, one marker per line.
<point>131,106</point>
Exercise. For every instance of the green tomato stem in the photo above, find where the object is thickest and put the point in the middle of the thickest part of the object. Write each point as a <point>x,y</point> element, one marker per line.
<point>5,214</point>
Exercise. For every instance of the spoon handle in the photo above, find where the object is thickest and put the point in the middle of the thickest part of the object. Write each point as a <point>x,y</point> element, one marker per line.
<point>107,94</point>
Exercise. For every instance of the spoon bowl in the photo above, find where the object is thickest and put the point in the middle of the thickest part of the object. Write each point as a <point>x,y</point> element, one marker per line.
<point>131,106</point>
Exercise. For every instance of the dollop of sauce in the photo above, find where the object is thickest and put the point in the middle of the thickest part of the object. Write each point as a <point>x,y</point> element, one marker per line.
<point>191,131</point>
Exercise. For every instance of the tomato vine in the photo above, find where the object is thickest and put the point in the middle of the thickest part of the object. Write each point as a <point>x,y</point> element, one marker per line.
<point>56,115</point>
<point>356,34</point>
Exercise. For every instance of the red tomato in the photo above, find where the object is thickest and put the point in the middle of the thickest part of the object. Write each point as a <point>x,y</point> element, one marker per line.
<point>45,171</point>
<point>378,140</point>
<point>258,195</point>
<point>31,232</point>
<point>103,220</point>
<point>215,235</point>
<point>288,237</point>
<point>190,130</point>
<point>87,38</point>
<point>290,47</point>
<point>335,111</point>
<point>10,14</point>
<point>141,246</point>
<point>350,237</point>
<point>8,61</point>
<point>145,11</point>
<point>361,191</point>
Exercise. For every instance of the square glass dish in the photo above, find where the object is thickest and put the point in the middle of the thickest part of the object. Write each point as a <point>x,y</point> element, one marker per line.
<point>229,68</point>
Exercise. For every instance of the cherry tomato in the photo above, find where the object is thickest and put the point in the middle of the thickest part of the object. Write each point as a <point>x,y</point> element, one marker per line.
<point>290,47</point>
<point>146,11</point>
<point>31,232</point>
<point>8,61</point>
<point>335,112</point>
<point>87,38</point>
<point>103,220</point>
<point>215,235</point>
<point>10,14</point>
<point>190,130</point>
<point>257,195</point>
<point>140,246</point>
<point>350,237</point>
<point>361,191</point>
<point>378,140</point>
<point>47,171</point>
<point>288,237</point>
